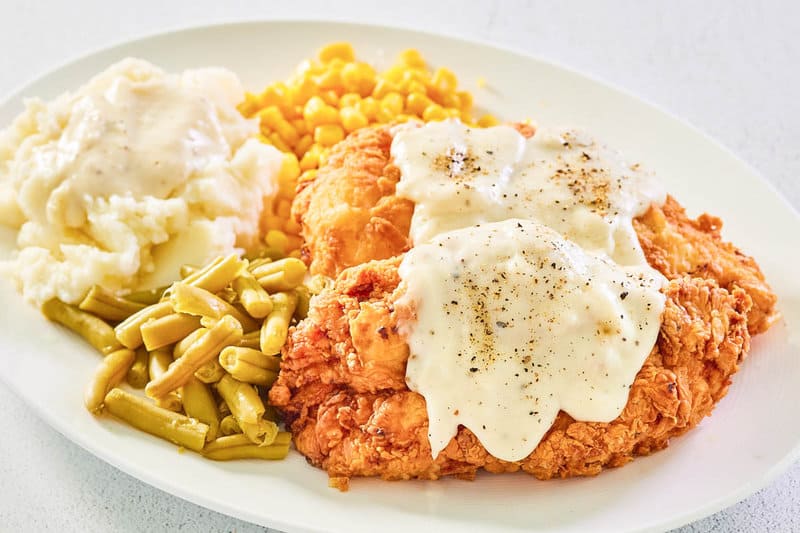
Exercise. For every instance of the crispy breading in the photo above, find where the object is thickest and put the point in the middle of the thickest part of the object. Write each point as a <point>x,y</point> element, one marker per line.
<point>342,386</point>
<point>342,381</point>
<point>349,214</point>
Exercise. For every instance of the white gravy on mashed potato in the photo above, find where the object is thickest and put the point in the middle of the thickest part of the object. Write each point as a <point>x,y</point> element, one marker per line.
<point>133,174</point>
<point>530,290</point>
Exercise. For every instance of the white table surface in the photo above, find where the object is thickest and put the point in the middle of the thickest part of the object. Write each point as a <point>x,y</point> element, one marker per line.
<point>728,66</point>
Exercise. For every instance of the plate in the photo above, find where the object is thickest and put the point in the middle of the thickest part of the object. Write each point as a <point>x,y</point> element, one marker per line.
<point>753,435</point>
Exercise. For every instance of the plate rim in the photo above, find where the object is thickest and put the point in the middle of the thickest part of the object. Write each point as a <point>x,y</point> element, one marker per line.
<point>17,92</point>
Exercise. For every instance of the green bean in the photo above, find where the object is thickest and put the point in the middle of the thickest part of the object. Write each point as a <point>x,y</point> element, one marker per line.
<point>233,354</point>
<point>273,267</point>
<point>168,329</point>
<point>147,296</point>
<point>157,365</point>
<point>110,373</point>
<point>254,375</point>
<point>210,373</point>
<point>137,376</point>
<point>229,426</point>
<point>248,409</point>
<point>94,330</point>
<point>226,332</point>
<point>250,366</point>
<point>271,453</point>
<point>196,301</point>
<point>129,331</point>
<point>251,339</point>
<point>283,280</point>
<point>276,326</point>
<point>218,274</point>
<point>182,345</point>
<point>107,305</point>
<point>199,403</point>
<point>143,415</point>
<point>283,438</point>
<point>257,262</point>
<point>228,295</point>
<point>252,295</point>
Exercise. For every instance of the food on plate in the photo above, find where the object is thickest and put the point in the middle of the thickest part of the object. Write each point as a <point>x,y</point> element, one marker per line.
<point>141,414</point>
<point>336,94</point>
<point>417,292</point>
<point>474,266</point>
<point>137,172</point>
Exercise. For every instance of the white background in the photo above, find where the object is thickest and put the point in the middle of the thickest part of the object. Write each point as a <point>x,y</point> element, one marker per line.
<point>728,67</point>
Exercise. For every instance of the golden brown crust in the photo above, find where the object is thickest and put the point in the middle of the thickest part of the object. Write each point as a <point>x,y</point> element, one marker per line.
<point>351,413</point>
<point>349,213</point>
<point>677,245</point>
<point>342,381</point>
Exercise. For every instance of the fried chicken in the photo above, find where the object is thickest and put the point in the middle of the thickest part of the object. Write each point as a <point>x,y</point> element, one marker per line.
<point>342,381</point>
<point>350,214</point>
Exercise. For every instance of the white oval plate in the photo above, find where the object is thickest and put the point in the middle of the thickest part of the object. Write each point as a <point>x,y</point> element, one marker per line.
<point>753,435</point>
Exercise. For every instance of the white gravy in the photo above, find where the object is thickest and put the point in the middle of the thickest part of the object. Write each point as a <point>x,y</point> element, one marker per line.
<point>531,292</point>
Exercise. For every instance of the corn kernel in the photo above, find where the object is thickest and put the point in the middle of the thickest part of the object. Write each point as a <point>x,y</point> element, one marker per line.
<point>290,168</point>
<point>303,145</point>
<point>328,134</point>
<point>310,159</point>
<point>434,112</point>
<point>384,115</point>
<point>417,102</point>
<point>382,88</point>
<point>279,143</point>
<point>342,50</point>
<point>394,74</point>
<point>358,78</point>
<point>330,79</point>
<point>465,98</point>
<point>444,79</point>
<point>275,94</point>
<point>300,126</point>
<point>369,107</point>
<point>317,112</point>
<point>415,86</point>
<point>304,90</point>
<point>349,99</point>
<point>412,58</point>
<point>487,121</point>
<point>277,239</point>
<point>295,254</point>
<point>352,118</point>
<point>393,102</point>
<point>450,100</point>
<point>330,97</point>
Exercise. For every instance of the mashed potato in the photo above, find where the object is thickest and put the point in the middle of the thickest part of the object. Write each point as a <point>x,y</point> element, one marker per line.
<point>134,174</point>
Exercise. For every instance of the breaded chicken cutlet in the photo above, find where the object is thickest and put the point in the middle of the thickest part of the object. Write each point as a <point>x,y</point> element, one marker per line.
<point>342,383</point>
